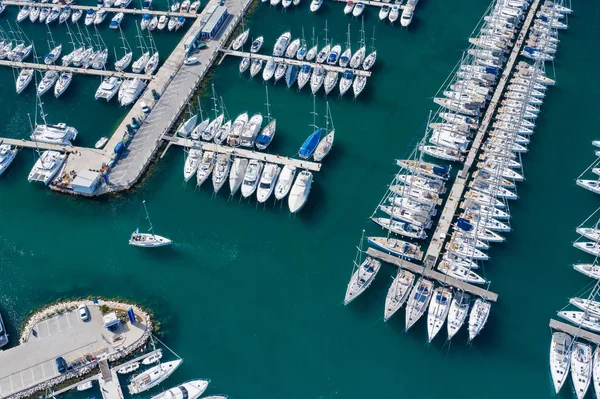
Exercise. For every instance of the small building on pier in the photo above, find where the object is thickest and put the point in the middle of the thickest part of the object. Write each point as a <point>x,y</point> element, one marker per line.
<point>86,182</point>
<point>214,23</point>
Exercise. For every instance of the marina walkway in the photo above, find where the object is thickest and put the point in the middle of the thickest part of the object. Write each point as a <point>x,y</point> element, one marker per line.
<point>21,3</point>
<point>327,67</point>
<point>377,3</point>
<point>574,331</point>
<point>430,273</point>
<point>244,153</point>
<point>456,193</point>
<point>82,71</point>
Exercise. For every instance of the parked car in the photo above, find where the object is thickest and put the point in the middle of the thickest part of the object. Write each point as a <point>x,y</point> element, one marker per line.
<point>83,312</point>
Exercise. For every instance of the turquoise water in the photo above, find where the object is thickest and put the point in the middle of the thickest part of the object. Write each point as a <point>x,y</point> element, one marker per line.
<point>250,296</point>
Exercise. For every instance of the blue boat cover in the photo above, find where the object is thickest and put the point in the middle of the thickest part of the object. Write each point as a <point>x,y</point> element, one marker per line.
<point>464,224</point>
<point>310,144</point>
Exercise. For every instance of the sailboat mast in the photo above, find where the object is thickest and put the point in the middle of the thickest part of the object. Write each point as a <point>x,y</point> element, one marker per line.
<point>151,229</point>
<point>268,105</point>
<point>214,98</point>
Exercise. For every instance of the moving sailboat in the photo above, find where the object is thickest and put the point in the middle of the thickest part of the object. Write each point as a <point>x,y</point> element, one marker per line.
<point>149,240</point>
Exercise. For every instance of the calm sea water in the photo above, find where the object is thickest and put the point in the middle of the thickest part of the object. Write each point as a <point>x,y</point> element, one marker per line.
<point>250,296</point>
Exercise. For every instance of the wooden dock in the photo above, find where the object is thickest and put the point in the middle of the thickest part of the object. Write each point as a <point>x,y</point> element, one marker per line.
<point>244,153</point>
<point>456,193</point>
<point>327,67</point>
<point>21,3</point>
<point>430,273</point>
<point>82,71</point>
<point>575,331</point>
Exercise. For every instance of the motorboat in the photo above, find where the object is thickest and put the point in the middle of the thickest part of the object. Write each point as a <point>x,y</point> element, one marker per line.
<point>362,277</point>
<point>185,6</point>
<point>349,7</point>
<point>240,40</point>
<point>62,83</point>
<point>407,16</point>
<point>267,183</point>
<point>115,22</point>
<point>310,144</point>
<point>85,386</point>
<point>384,12</point>
<point>439,307</point>
<point>132,91</point>
<point>152,377</point>
<point>257,44</point>
<point>396,247</point>
<point>418,301</point>
<point>265,137</point>
<point>300,191</point>
<point>237,173</point>
<point>186,127</point>
<point>108,88</point>
<point>281,44</point>
<point>315,5</point>
<point>7,155</point>
<point>25,77</point>
<point>291,74</point>
<point>50,77</point>
<point>317,79</point>
<point>46,167</point>
<point>269,69</point>
<point>581,367</point>
<point>100,17</point>
<point>206,167</point>
<point>358,9</point>
<point>478,317</point>
<point>187,390</point>
<point>236,130</point>
<point>284,182</point>
<point>394,13</point>
<point>398,292</point>
<point>292,49</point>
<point>194,7</point>
<point>252,177</point>
<point>459,310</point>
<point>162,22</point>
<point>251,130</point>
<point>221,171</point>
<point>334,54</point>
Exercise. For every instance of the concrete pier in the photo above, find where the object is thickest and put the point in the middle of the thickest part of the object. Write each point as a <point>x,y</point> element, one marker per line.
<point>377,3</point>
<point>82,71</point>
<point>575,331</point>
<point>456,193</point>
<point>21,3</point>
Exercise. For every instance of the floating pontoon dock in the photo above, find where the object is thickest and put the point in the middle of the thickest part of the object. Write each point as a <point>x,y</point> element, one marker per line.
<point>83,71</point>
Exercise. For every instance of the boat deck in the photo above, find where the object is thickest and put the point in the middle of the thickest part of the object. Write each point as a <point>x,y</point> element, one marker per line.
<point>575,331</point>
<point>441,232</point>
<point>327,67</point>
<point>81,71</point>
<point>430,273</point>
<point>21,3</point>
<point>245,153</point>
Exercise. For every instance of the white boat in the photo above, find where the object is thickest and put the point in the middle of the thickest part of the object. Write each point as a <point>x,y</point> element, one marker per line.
<point>362,278</point>
<point>324,147</point>
<point>438,311</point>
<point>590,247</point>
<point>478,317</point>
<point>25,77</point>
<point>589,233</point>
<point>50,77</point>
<point>284,182</point>
<point>255,67</point>
<point>312,53</point>
<point>317,79</point>
<point>239,41</point>
<point>46,167</point>
<point>62,83</point>
<point>369,61</point>
<point>54,134</point>
<point>115,22</point>
<point>407,15</point>
<point>132,91</point>
<point>315,5</point>
<point>185,6</point>
<point>460,272</point>
<point>44,12</point>
<point>108,88</point>
<point>222,133</point>
<point>153,24</point>
<point>90,16</point>
<point>349,7</point>
<point>590,270</point>
<point>192,161</point>
<point>590,185</point>
<point>281,44</point>
<point>269,69</point>
<point>100,17</point>
<point>394,13</point>
<point>206,167</point>
<point>587,305</point>
<point>330,82</point>
<point>595,371</point>
<point>398,292</point>
<point>244,64</point>
<point>101,142</point>
<point>186,127</point>
<point>7,155</point>
<point>257,44</point>
<point>581,367</point>
<point>76,15</point>
<point>251,130</point>
<point>147,240</point>
<point>152,377</point>
<point>85,386</point>
<point>23,13</point>
<point>187,390</point>
<point>304,75</point>
<point>251,177</point>
<point>53,55</point>
<point>266,135</point>
<point>358,9</point>
<point>384,12</point>
<point>34,14</point>
<point>418,301</point>
<point>292,49</point>
<point>139,64</point>
<point>221,171</point>
<point>583,319</point>
<point>359,85</point>
<point>267,183</point>
<point>130,368</point>
<point>459,309</point>
<point>237,173</point>
<point>194,7</point>
<point>334,54</point>
<point>233,139</point>
<point>322,55</point>
<point>300,191</point>
<point>162,22</point>
<point>213,127</point>
<point>358,58</point>
<point>154,358</point>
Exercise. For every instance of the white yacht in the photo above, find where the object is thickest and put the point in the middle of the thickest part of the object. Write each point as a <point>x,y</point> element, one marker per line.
<point>581,367</point>
<point>418,301</point>
<point>237,173</point>
<point>459,309</point>
<point>162,22</point>
<point>187,390</point>
<point>315,5</point>
<point>394,13</point>
<point>592,248</point>
<point>268,181</point>
<point>331,79</point>
<point>132,91</point>
<point>7,155</point>
<point>239,41</point>
<point>186,127</point>
<point>196,134</point>
<point>438,311</point>
<point>50,77</point>
<point>54,134</point>
<point>152,377</point>
<point>221,171</point>
<point>358,58</point>
<point>46,167</point>
<point>362,277</point>
<point>407,15</point>
<point>251,130</point>
<point>122,63</point>
<point>281,44</point>
<point>213,127</point>
<point>300,190</point>
<point>191,163</point>
<point>398,292</point>
<point>251,177</point>
<point>590,270</point>
<point>233,139</point>
<point>100,17</point>
<point>587,305</point>
<point>139,64</point>
<point>90,16</point>
<point>359,85</point>
<point>222,132</point>
<point>206,167</point>
<point>25,77</point>
<point>560,358</point>
<point>53,55</point>
<point>460,272</point>
<point>108,88</point>
<point>292,49</point>
<point>152,64</point>
<point>478,317</point>
<point>317,79</point>
<point>62,83</point>
<point>284,182</point>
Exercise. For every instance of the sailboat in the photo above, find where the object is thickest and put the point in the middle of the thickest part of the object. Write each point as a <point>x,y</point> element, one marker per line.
<point>122,63</point>
<point>326,142</point>
<point>478,317</point>
<point>310,144</point>
<point>363,274</point>
<point>560,358</point>
<point>459,310</point>
<point>346,56</point>
<point>438,311</point>
<point>268,132</point>
<point>55,50</point>
<point>581,368</point>
<point>358,57</point>
<point>398,292</point>
<point>418,301</point>
<point>148,239</point>
<point>139,65</point>
<point>237,173</point>
<point>370,59</point>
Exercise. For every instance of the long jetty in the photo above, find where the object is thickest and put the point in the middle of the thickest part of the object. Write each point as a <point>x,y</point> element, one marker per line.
<point>575,331</point>
<point>22,3</point>
<point>456,193</point>
<point>244,153</point>
<point>327,67</point>
<point>83,71</point>
<point>377,3</point>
